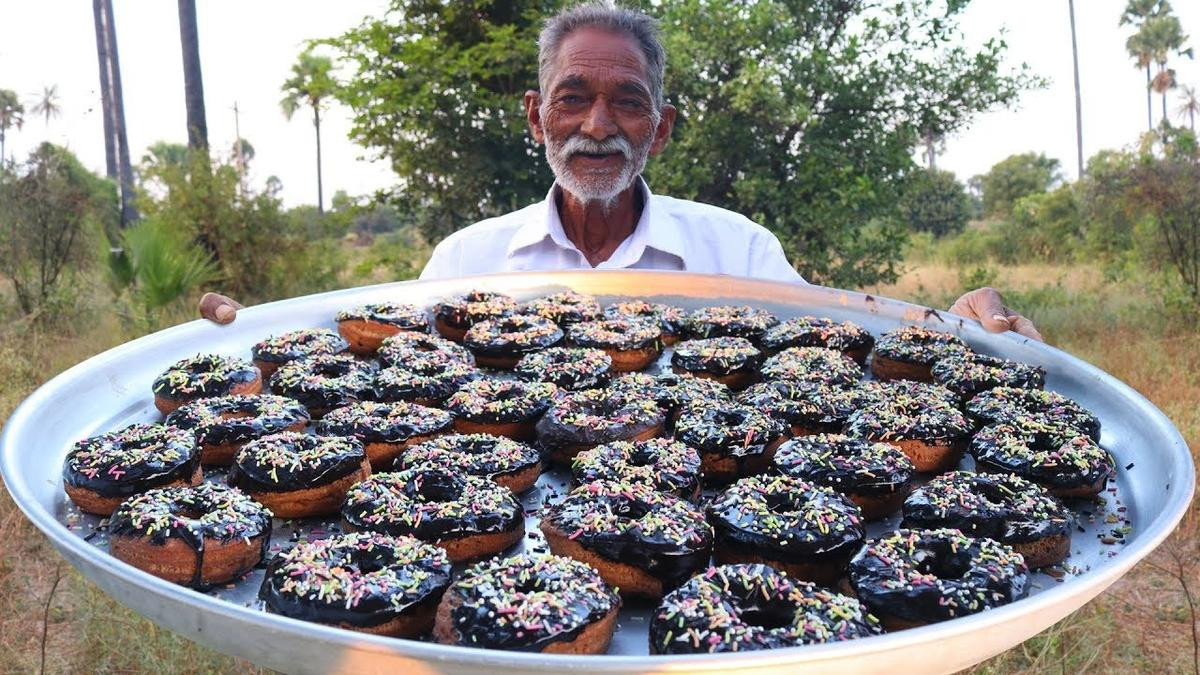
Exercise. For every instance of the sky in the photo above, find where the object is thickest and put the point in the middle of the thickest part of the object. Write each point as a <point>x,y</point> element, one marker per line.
<point>247,49</point>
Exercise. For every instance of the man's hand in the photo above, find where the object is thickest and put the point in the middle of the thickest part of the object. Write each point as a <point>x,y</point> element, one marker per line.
<point>986,305</point>
<point>218,308</point>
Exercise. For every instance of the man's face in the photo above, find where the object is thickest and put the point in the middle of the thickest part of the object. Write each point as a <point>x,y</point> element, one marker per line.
<point>597,117</point>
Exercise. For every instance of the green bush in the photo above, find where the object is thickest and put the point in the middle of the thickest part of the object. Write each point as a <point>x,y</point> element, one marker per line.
<point>161,265</point>
<point>934,201</point>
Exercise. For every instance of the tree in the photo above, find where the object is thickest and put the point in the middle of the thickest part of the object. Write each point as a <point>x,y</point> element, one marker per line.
<point>802,116</point>
<point>1014,177</point>
<point>1139,45</point>
<point>1189,105</point>
<point>47,104</point>
<point>1078,97</point>
<point>311,83</point>
<point>1165,37</point>
<point>1166,190</point>
<point>12,115</point>
<point>193,83</point>
<point>116,144</point>
<point>934,201</point>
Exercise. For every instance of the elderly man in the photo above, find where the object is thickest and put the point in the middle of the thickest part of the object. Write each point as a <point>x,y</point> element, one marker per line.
<point>600,113</point>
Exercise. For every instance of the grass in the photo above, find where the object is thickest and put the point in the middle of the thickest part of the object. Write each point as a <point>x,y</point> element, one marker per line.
<point>1143,624</point>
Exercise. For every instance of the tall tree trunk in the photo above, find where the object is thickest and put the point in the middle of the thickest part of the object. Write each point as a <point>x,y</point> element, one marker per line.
<point>111,68</point>
<point>110,146</point>
<point>1149,104</point>
<point>1078,98</point>
<point>192,81</point>
<point>320,193</point>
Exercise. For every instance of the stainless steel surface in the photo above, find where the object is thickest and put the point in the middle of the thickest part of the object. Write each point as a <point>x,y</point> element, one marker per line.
<point>113,389</point>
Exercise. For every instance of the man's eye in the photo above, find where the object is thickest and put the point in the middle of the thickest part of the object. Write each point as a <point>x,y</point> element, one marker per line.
<point>571,99</point>
<point>630,103</point>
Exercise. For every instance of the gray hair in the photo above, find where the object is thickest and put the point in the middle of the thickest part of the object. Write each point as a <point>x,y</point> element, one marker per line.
<point>604,14</point>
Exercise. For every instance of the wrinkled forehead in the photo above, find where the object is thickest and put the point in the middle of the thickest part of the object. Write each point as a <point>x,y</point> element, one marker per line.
<point>599,58</point>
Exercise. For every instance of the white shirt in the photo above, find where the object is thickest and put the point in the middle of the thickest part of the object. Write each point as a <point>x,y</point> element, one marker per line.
<point>672,234</point>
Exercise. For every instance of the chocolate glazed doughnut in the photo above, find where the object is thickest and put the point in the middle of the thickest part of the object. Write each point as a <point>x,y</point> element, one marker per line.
<point>324,382</point>
<point>931,432</point>
<point>365,327</point>
<point>806,530</point>
<point>1057,457</point>
<point>407,349</point>
<point>361,581</point>
<point>732,361</point>
<point>739,608</point>
<point>1003,507</point>
<point>812,364</point>
<point>643,542</point>
<point>102,471</point>
<point>580,420</point>
<point>385,429</point>
<point>567,367</point>
<point>535,603</point>
<point>729,321</point>
<point>297,475</point>
<point>500,407</point>
<point>427,381</point>
<point>222,425</point>
<point>672,391</point>
<point>669,318</point>
<point>199,536</point>
<point>663,464</point>
<point>632,344</point>
<point>733,439</point>
<point>564,308</point>
<point>804,407</point>
<point>968,374</point>
<point>469,516</point>
<point>811,331</point>
<point>1008,404</point>
<point>908,353</point>
<point>453,317</point>
<point>500,343</point>
<point>204,376</point>
<point>506,462</point>
<point>277,350</point>
<point>912,578</point>
<point>875,476</point>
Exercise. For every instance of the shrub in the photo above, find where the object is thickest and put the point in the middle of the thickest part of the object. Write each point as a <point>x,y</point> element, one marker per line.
<point>161,265</point>
<point>934,201</point>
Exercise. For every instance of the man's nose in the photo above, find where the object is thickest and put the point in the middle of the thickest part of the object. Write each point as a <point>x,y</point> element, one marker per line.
<point>599,122</point>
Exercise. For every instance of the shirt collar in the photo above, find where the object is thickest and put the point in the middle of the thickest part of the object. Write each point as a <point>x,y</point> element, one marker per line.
<point>653,230</point>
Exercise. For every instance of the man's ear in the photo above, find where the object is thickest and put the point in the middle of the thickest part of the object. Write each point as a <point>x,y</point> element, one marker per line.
<point>662,133</point>
<point>533,101</point>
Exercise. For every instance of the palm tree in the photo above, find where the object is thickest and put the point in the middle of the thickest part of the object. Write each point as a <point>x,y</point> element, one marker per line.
<point>1165,37</point>
<point>1136,13</point>
<point>310,83</point>
<point>193,83</point>
<point>47,105</point>
<point>12,115</point>
<point>1078,98</point>
<point>116,143</point>
<point>1190,105</point>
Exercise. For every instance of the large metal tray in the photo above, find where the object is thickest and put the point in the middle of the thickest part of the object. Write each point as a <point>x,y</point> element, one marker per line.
<point>1150,494</point>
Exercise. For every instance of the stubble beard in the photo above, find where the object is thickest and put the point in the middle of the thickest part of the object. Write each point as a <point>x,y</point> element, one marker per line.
<point>595,186</point>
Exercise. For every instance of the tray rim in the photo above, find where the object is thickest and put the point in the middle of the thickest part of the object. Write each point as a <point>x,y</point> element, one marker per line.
<point>1086,586</point>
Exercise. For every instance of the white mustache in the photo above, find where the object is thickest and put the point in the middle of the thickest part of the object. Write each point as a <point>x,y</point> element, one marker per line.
<point>582,144</point>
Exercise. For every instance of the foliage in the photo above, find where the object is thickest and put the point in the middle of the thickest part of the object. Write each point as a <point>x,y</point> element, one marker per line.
<point>52,211</point>
<point>1166,190</point>
<point>161,265</point>
<point>1014,177</point>
<point>934,201</point>
<point>310,84</point>
<point>1046,225</point>
<point>12,114</point>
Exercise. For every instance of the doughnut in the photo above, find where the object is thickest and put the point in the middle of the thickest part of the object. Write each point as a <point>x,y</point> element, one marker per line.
<point>500,407</point>
<point>500,343</point>
<point>407,349</point>
<point>366,326</point>
<point>663,464</point>
<point>801,528</point>
<point>1061,459</point>
<point>506,462</point>
<point>875,476</point>
<point>428,380</point>
<point>643,542</point>
<point>876,392</point>
<point>814,364</point>
<point>277,350</point>
<point>968,374</point>
<point>804,407</point>
<point>632,343</point>
<point>811,331</point>
<point>469,516</point>
<point>564,308</point>
<point>732,361</point>
<point>325,381</point>
<point>204,376</point>
<point>102,471</point>
<point>222,425</point>
<point>199,536</point>
<point>580,420</point>
<point>669,318</point>
<point>733,440</point>
<point>453,316</point>
<point>740,321</point>
<point>567,367</point>
<point>999,506</point>
<point>672,391</point>
<point>361,581</point>
<point>908,353</point>
<point>297,475</point>
<point>931,432</point>
<point>739,608</point>
<point>1007,404</point>
<point>911,578</point>
<point>385,429</point>
<point>531,603</point>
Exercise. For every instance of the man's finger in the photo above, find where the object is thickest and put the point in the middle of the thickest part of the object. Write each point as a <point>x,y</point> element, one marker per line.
<point>1025,327</point>
<point>218,308</point>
